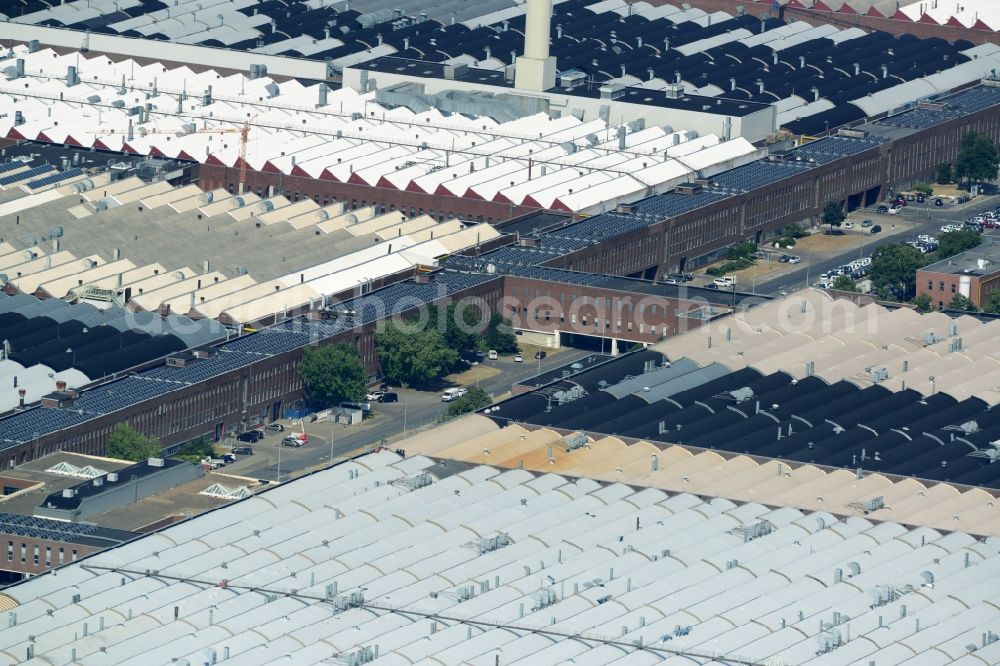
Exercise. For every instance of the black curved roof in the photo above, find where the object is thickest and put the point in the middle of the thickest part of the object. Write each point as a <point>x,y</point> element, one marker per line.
<point>808,421</point>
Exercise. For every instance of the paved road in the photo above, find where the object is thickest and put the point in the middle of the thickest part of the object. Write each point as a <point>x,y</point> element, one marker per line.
<point>414,410</point>
<point>912,222</point>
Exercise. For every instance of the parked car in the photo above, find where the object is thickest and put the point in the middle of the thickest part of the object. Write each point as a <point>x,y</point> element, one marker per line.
<point>539,355</point>
<point>243,450</point>
<point>384,387</point>
<point>472,356</point>
<point>228,457</point>
<point>252,436</point>
<point>492,354</point>
<point>389,396</point>
<point>882,209</point>
<point>724,281</point>
<point>275,427</point>
<point>920,198</point>
<point>848,225</point>
<point>899,201</point>
<point>784,258</point>
<point>794,259</point>
<point>681,277</point>
<point>292,440</point>
<point>453,394</point>
<point>939,201</point>
<point>876,229</point>
<point>895,210</point>
<point>866,223</point>
<point>672,281</point>
<point>518,357</point>
<point>374,396</point>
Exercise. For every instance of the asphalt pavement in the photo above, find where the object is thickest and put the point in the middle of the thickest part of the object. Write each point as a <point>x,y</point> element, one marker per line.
<point>414,411</point>
<point>912,221</point>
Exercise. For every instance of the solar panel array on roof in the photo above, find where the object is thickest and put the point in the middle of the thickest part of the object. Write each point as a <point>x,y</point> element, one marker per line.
<point>24,175</point>
<point>958,105</point>
<point>59,530</point>
<point>54,178</point>
<point>238,353</point>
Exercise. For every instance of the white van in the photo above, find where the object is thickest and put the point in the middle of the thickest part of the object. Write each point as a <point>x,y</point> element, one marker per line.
<point>492,354</point>
<point>453,394</point>
<point>724,281</point>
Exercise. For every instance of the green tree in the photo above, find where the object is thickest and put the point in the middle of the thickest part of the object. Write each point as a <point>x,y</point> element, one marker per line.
<point>413,357</point>
<point>127,443</point>
<point>954,242</point>
<point>942,175</point>
<point>923,188</point>
<point>923,302</point>
<point>794,231</point>
<point>741,251</point>
<point>993,305</point>
<point>459,326</point>
<point>833,214</point>
<point>844,283</point>
<point>332,374</point>
<point>195,451</point>
<point>499,336</point>
<point>894,269</point>
<point>960,302</point>
<point>475,399</point>
<point>977,159</point>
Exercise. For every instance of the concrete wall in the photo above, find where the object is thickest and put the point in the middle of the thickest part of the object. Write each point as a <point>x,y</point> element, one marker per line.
<point>161,51</point>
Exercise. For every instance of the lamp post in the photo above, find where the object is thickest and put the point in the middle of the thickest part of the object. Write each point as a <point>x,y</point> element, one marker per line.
<point>280,445</point>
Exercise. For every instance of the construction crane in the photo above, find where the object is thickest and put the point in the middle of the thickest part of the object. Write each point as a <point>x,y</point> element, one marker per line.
<point>244,136</point>
<point>244,133</point>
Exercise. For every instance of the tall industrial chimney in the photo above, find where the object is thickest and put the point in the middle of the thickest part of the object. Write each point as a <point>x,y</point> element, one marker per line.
<point>536,69</point>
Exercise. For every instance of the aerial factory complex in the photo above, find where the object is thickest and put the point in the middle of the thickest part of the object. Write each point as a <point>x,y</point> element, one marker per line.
<point>729,397</point>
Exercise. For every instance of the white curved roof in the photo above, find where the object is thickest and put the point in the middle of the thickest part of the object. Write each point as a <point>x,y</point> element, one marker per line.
<point>596,561</point>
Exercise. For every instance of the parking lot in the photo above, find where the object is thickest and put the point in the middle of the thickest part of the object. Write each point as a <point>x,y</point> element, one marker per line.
<point>908,225</point>
<point>415,410</point>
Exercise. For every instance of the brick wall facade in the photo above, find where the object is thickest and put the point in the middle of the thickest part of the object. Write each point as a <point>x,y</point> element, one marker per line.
<point>324,192</point>
<point>28,555</point>
<point>942,287</point>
